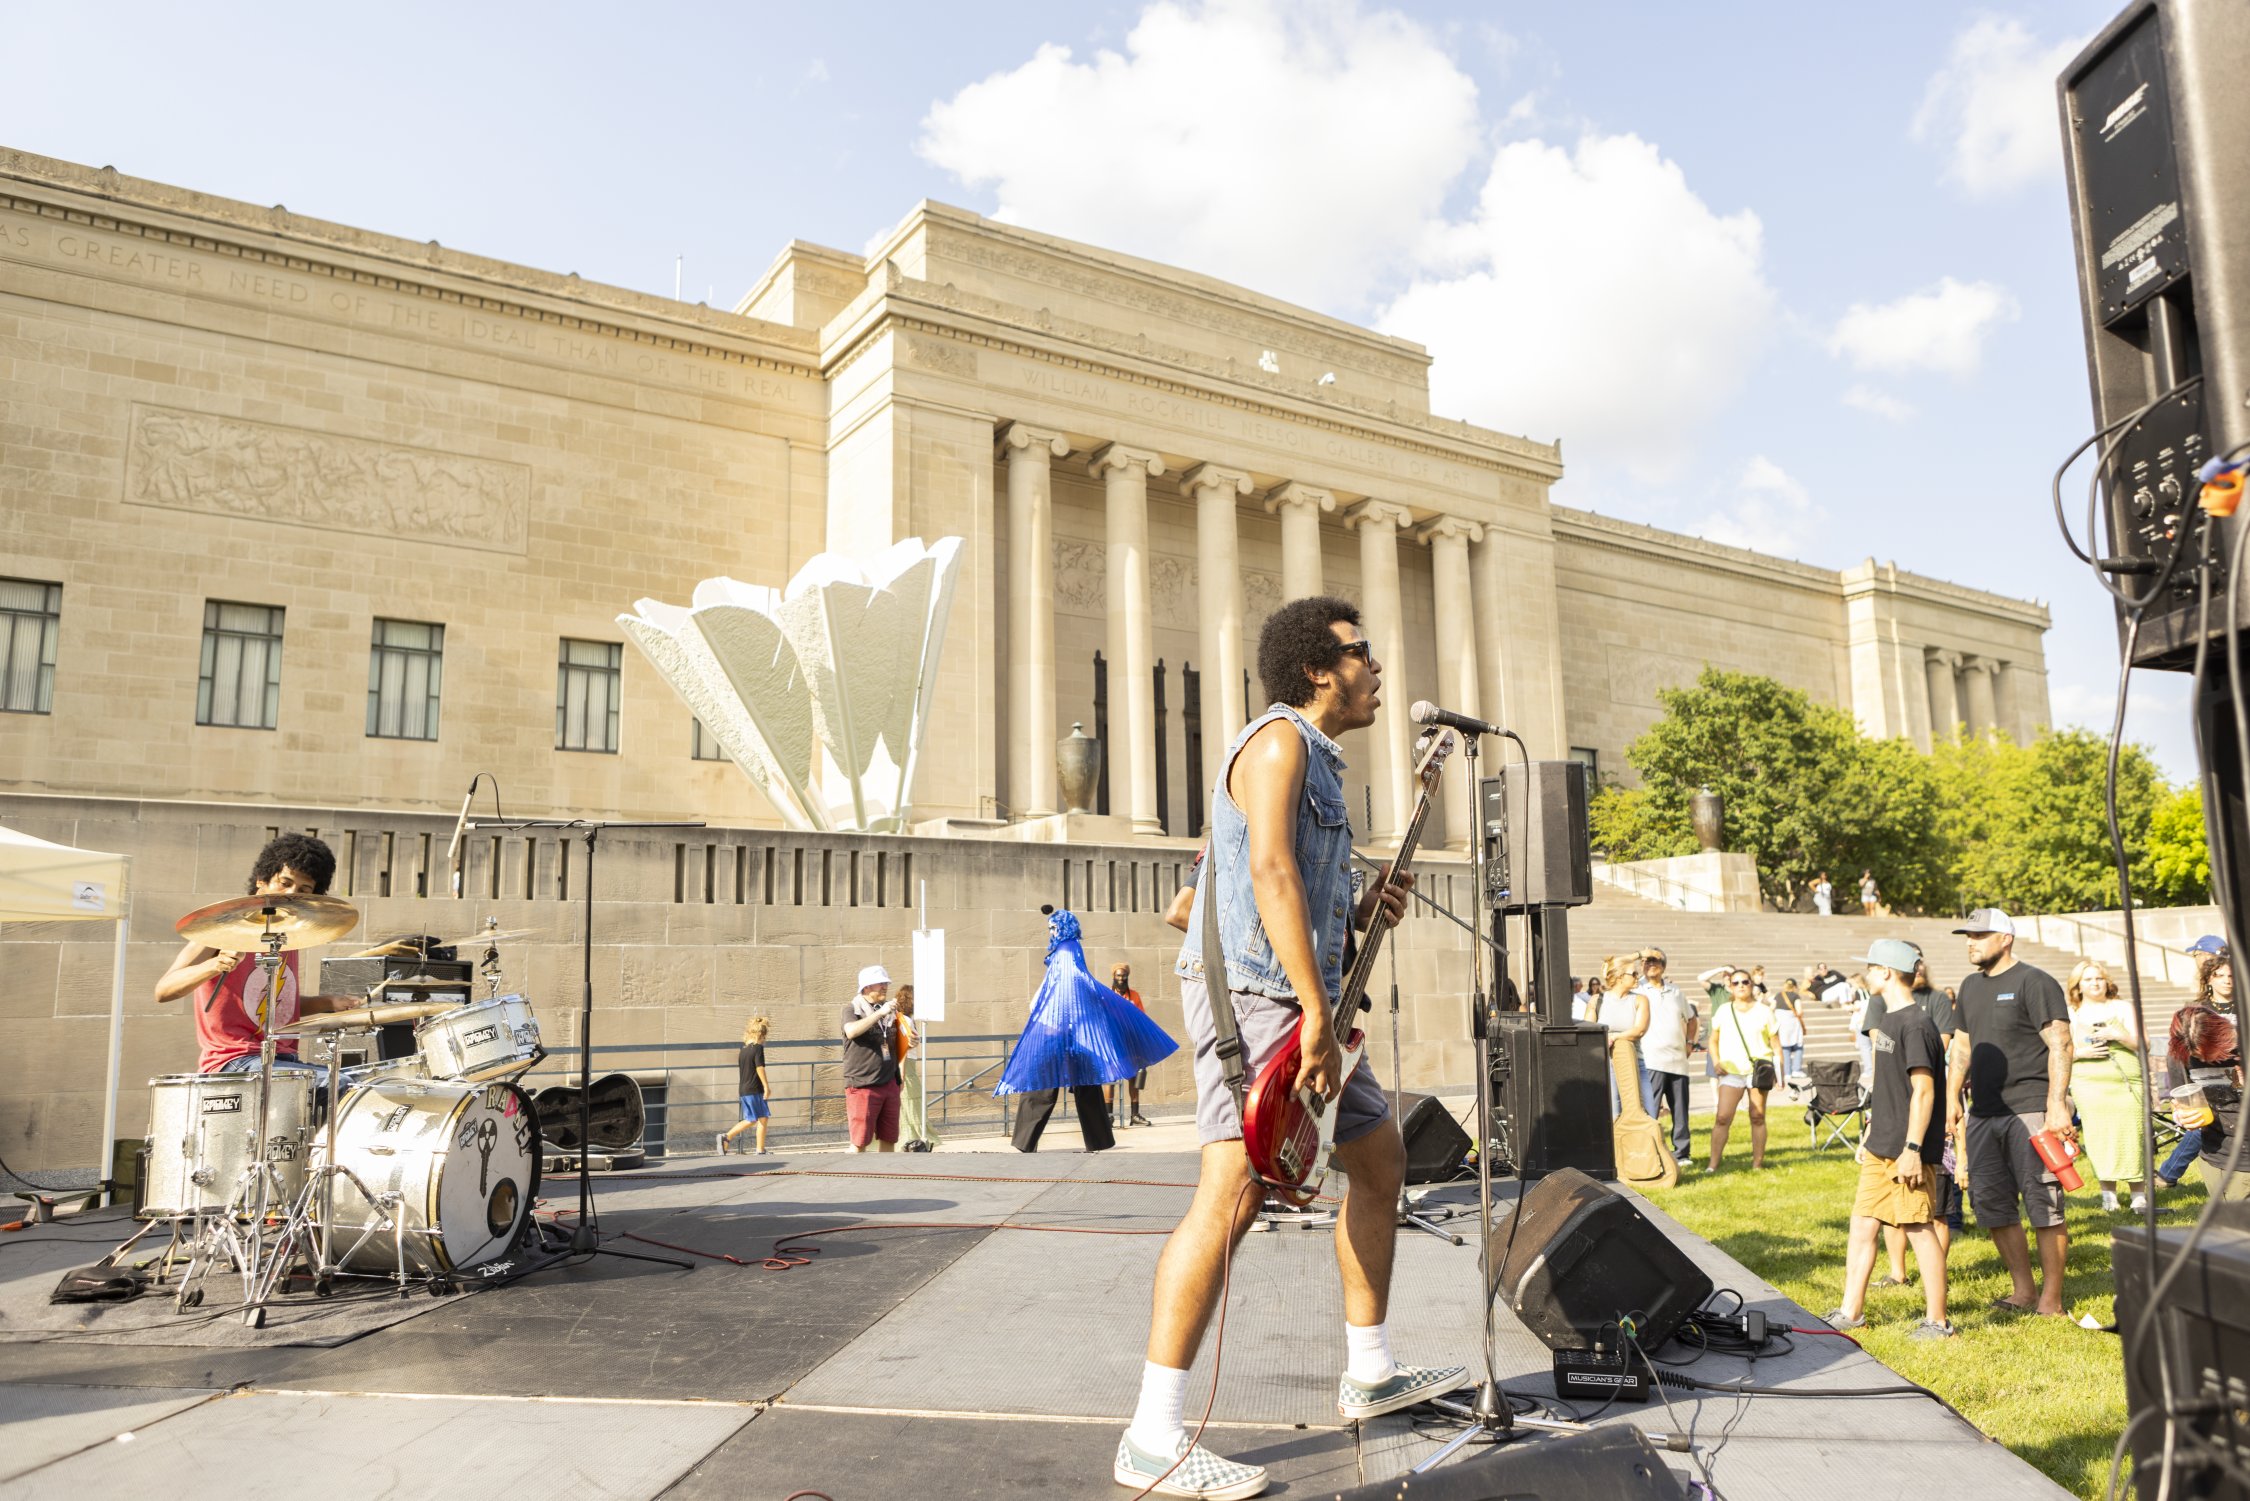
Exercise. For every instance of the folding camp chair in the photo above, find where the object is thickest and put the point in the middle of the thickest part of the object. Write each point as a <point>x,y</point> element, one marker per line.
<point>1838,1112</point>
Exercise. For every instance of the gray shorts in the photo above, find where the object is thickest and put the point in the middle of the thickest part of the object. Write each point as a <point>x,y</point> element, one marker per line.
<point>1264,1023</point>
<point>2002,1165</point>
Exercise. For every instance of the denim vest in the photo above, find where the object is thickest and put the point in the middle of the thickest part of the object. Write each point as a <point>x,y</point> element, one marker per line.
<point>1324,861</point>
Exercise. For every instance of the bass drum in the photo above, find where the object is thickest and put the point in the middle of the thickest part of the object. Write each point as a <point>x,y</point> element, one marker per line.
<point>463,1159</point>
<point>202,1141</point>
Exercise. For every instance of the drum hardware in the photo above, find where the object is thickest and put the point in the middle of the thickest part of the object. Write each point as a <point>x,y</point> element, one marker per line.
<point>273,924</point>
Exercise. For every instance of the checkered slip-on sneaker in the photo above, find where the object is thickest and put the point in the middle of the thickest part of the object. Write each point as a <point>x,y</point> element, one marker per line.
<point>1200,1473</point>
<point>1408,1385</point>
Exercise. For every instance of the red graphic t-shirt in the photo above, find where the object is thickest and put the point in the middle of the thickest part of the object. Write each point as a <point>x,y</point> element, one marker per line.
<point>226,1013</point>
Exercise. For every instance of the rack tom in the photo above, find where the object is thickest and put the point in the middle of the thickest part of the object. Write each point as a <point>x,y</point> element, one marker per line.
<point>497,1038</point>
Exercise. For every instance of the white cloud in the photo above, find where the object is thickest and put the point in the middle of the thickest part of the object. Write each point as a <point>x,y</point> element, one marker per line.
<point>1769,512</point>
<point>1591,295</point>
<point>1296,149</point>
<point>1992,107</point>
<point>1881,403</point>
<point>1941,328</point>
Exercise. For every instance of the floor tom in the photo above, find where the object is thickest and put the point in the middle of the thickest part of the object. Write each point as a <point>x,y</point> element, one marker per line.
<point>202,1141</point>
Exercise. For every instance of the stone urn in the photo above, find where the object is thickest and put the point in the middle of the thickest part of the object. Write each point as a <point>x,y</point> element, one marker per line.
<point>1078,763</point>
<point>1707,811</point>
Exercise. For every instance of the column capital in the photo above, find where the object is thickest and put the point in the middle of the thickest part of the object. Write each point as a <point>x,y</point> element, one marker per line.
<point>1118,456</point>
<point>1378,512</point>
<point>1212,477</point>
<point>1021,436</point>
<point>1978,664</point>
<point>1310,497</point>
<point>1446,528</point>
<point>1945,657</point>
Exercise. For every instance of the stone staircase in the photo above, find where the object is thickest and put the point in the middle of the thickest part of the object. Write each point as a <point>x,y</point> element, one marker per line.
<point>1786,943</point>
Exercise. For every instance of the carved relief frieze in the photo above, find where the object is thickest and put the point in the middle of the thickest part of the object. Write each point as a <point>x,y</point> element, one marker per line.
<point>1082,586</point>
<point>1081,577</point>
<point>941,356</point>
<point>225,466</point>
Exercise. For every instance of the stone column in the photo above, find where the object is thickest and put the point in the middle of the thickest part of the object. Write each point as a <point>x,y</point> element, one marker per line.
<point>1487,597</point>
<point>1983,716</point>
<point>1392,736</point>
<point>1448,538</point>
<point>1299,507</point>
<point>1218,606</point>
<point>1031,617</point>
<point>1945,700</point>
<point>1125,473</point>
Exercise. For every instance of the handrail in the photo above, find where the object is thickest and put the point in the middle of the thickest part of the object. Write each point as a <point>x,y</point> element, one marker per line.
<point>2168,958</point>
<point>1602,872</point>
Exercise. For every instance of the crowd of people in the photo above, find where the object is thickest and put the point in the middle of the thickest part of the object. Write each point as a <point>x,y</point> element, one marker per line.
<point>1977,1097</point>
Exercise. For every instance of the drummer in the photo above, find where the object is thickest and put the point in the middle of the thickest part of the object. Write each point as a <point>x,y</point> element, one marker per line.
<point>229,989</point>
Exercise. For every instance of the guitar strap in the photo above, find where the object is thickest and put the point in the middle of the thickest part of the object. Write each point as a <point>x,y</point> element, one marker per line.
<point>1216,989</point>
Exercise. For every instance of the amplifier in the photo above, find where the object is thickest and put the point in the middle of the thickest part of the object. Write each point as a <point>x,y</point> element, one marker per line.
<point>1550,1097</point>
<point>1584,1269</point>
<point>1544,859</point>
<point>2206,1322</point>
<point>2156,138</point>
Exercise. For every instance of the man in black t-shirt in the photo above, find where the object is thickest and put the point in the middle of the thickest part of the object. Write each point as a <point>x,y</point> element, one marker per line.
<point>1899,1155</point>
<point>2011,1051</point>
<point>870,1059</point>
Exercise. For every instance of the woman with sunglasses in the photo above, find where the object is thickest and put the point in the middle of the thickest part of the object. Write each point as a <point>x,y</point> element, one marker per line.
<point>1744,1045</point>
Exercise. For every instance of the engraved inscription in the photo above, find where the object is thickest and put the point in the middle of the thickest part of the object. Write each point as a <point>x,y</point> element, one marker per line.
<point>192,461</point>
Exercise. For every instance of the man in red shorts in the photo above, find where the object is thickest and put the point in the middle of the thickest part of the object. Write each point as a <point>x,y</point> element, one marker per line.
<point>871,1062</point>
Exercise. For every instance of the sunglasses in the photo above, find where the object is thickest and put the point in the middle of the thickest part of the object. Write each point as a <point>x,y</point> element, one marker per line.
<point>1364,650</point>
<point>1738,980</point>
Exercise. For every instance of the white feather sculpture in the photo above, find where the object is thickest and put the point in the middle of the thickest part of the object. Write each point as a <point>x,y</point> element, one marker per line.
<point>820,691</point>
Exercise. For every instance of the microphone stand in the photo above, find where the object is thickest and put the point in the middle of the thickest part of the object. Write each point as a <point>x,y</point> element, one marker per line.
<point>584,1239</point>
<point>1489,1414</point>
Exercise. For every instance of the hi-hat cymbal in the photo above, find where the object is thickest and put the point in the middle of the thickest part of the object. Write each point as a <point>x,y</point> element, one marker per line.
<point>241,926</point>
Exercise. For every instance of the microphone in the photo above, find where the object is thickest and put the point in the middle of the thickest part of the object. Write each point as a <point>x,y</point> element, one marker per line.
<point>1425,712</point>
<point>453,845</point>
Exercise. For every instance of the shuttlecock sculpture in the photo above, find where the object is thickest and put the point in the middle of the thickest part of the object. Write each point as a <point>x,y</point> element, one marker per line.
<point>819,691</point>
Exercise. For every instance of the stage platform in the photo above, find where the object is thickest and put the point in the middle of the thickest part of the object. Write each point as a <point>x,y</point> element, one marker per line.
<point>924,1353</point>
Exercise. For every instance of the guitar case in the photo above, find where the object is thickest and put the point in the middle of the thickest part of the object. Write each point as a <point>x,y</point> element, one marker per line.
<point>1644,1155</point>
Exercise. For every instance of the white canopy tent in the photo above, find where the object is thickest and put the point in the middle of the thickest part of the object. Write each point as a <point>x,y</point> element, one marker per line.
<point>43,882</point>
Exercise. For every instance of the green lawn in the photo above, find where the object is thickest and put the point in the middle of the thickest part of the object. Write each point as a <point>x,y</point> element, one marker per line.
<point>2048,1389</point>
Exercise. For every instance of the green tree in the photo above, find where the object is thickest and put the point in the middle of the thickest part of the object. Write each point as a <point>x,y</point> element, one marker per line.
<point>1804,790</point>
<point>2179,856</point>
<point>2026,825</point>
<point>1625,824</point>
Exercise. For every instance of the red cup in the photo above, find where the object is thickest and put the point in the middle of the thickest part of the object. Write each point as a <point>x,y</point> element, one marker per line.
<point>2060,1154</point>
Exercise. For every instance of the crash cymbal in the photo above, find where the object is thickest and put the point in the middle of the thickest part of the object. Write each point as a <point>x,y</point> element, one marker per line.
<point>484,936</point>
<point>367,1018</point>
<point>240,926</point>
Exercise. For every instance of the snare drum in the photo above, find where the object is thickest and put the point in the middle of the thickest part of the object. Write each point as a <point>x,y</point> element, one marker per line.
<point>463,1159</point>
<point>202,1140</point>
<point>489,1039</point>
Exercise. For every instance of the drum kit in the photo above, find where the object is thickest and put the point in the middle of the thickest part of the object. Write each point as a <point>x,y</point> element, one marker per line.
<point>416,1169</point>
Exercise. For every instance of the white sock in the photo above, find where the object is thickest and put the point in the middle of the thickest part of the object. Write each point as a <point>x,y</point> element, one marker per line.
<point>1368,1350</point>
<point>2109,1198</point>
<point>1157,1421</point>
<point>2140,1203</point>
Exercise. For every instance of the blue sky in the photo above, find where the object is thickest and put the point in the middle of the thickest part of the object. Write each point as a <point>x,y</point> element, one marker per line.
<point>1791,276</point>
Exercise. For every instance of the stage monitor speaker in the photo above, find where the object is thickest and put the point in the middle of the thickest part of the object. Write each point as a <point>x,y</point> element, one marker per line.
<point>2156,143</point>
<point>2206,1319</point>
<point>1617,1463</point>
<point>1543,859</point>
<point>1550,1097</point>
<point>1435,1143</point>
<point>1581,1268</point>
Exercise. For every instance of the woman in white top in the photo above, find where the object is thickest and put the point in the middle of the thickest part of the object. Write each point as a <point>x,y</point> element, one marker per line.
<point>1624,1011</point>
<point>1789,1031</point>
<point>1743,1045</point>
<point>2106,1083</point>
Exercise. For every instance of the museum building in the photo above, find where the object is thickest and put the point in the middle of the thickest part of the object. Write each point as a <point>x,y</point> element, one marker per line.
<point>304,517</point>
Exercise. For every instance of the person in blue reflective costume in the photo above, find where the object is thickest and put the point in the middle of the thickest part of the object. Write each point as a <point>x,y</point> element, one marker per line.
<point>1081,1036</point>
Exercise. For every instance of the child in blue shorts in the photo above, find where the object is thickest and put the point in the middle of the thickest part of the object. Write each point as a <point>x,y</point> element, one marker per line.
<point>750,1065</point>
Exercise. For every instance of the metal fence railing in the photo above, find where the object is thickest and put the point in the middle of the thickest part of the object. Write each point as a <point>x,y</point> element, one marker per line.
<point>689,1087</point>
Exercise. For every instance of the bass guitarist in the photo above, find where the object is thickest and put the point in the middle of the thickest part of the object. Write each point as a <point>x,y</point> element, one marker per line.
<point>1280,864</point>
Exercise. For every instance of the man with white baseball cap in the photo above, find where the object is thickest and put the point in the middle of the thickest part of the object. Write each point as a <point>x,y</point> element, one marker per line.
<point>2012,1054</point>
<point>871,1087</point>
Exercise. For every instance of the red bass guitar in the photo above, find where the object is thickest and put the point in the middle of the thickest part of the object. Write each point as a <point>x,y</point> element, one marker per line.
<point>1290,1133</point>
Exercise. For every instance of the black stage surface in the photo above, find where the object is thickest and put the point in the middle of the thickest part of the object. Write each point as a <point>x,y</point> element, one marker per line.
<point>922,1351</point>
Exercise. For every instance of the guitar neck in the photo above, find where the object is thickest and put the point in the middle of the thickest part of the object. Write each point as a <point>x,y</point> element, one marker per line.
<point>1363,969</point>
